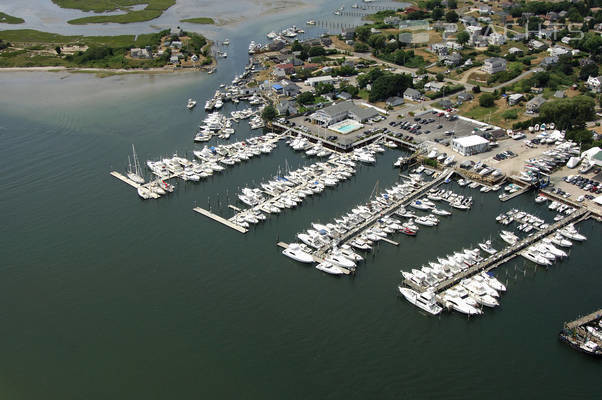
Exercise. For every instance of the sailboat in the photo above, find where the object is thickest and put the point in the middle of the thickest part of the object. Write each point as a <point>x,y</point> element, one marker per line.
<point>136,174</point>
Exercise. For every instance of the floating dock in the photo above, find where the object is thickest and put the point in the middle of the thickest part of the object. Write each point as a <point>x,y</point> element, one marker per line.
<point>510,196</point>
<point>217,218</point>
<point>596,315</point>
<point>502,256</point>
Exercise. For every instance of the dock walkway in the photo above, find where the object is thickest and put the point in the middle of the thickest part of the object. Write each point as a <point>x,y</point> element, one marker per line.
<point>348,236</point>
<point>222,220</point>
<point>584,320</point>
<point>503,256</point>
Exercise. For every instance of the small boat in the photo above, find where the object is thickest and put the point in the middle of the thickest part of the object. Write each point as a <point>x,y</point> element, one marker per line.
<point>486,247</point>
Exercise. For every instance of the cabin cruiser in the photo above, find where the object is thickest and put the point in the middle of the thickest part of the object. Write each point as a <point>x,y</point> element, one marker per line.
<point>460,305</point>
<point>532,255</point>
<point>191,104</point>
<point>425,300</point>
<point>296,252</point>
<point>570,232</point>
<point>330,268</point>
<point>509,237</point>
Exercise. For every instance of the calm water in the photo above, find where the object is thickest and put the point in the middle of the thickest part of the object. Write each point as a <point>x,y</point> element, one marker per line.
<point>107,296</point>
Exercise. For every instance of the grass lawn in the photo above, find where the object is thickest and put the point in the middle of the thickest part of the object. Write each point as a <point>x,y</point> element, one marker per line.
<point>153,9</point>
<point>199,20</point>
<point>9,19</point>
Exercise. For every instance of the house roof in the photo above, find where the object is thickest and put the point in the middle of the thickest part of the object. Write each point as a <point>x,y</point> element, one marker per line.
<point>411,92</point>
<point>472,140</point>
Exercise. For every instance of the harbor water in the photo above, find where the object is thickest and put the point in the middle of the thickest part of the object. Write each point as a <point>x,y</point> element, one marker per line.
<point>105,295</point>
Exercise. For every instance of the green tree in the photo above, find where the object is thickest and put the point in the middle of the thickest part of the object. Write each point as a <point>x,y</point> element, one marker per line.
<point>296,46</point>
<point>568,113</point>
<point>452,4</point>
<point>476,89</point>
<point>437,14</point>
<point>322,88</point>
<point>440,77</point>
<point>360,47</point>
<point>463,37</point>
<point>269,113</point>
<point>317,51</point>
<point>305,98</point>
<point>451,16</point>
<point>363,32</point>
<point>57,49</point>
<point>588,70</point>
<point>486,100</point>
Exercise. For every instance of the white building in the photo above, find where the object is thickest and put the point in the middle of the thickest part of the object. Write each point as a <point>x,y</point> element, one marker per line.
<point>469,145</point>
<point>594,83</point>
<point>558,51</point>
<point>493,65</point>
<point>319,79</point>
<point>593,155</point>
<point>496,39</point>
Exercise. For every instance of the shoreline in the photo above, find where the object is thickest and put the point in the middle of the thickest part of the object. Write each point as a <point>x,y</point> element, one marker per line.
<point>99,71</point>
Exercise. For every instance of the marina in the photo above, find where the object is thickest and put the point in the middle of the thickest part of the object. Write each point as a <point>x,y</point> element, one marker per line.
<point>146,299</point>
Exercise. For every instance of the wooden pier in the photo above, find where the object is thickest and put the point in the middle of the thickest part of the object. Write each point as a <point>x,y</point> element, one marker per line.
<point>596,315</point>
<point>510,196</point>
<point>348,236</point>
<point>504,255</point>
<point>217,218</point>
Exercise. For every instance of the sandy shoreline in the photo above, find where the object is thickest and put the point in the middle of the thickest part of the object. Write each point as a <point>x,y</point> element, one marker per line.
<point>99,70</point>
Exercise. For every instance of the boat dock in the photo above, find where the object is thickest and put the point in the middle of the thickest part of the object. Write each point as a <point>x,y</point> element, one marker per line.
<point>503,256</point>
<point>348,236</point>
<point>130,182</point>
<point>217,218</point>
<point>596,315</point>
<point>510,196</point>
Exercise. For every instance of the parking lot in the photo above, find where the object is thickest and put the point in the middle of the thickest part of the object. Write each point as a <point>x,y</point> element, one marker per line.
<point>426,126</point>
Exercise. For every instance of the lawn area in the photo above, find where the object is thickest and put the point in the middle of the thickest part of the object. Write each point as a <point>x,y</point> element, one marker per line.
<point>153,9</point>
<point>199,20</point>
<point>9,19</point>
<point>496,115</point>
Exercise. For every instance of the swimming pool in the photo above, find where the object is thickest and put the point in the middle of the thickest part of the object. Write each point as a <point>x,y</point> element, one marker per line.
<point>346,126</point>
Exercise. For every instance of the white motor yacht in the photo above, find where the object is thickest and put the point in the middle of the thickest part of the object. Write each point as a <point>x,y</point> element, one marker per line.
<point>296,252</point>
<point>487,248</point>
<point>425,300</point>
<point>330,268</point>
<point>460,305</point>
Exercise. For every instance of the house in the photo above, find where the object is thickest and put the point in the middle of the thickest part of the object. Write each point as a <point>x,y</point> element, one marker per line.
<point>434,86</point>
<point>194,58</point>
<point>547,62</point>
<point>341,111</point>
<point>536,90</point>
<point>412,95</point>
<point>558,51</point>
<point>137,52</point>
<point>281,70</point>
<point>534,104</point>
<point>566,40</point>
<point>276,45</point>
<point>176,44</point>
<point>451,60</point>
<point>286,107</point>
<point>319,79</point>
<point>419,78</point>
<point>537,45</point>
<point>344,96</point>
<point>392,20</point>
<point>493,65</point>
<point>394,101</point>
<point>276,87</point>
<point>469,20</point>
<point>515,50</point>
<point>289,88</point>
<point>552,16</point>
<point>348,34</point>
<point>465,96</point>
<point>174,59</point>
<point>559,94</point>
<point>514,99</point>
<point>439,48</point>
<point>485,9</point>
<point>594,83</point>
<point>496,39</point>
